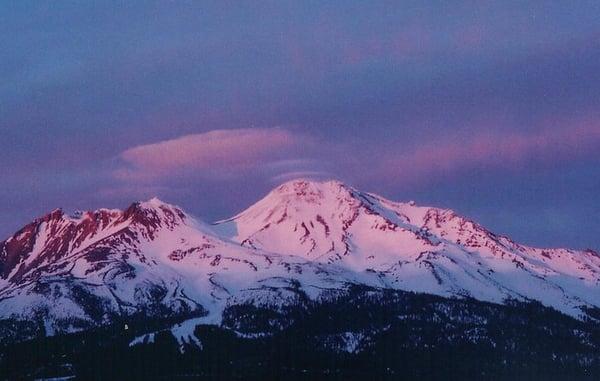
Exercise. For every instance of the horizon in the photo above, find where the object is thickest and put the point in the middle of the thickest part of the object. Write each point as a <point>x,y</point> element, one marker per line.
<point>489,110</point>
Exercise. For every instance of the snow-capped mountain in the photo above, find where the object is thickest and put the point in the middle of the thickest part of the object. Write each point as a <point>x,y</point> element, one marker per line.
<point>67,273</point>
<point>414,248</point>
<point>304,239</point>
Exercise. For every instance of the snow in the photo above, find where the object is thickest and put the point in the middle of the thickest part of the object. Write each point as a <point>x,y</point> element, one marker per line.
<point>147,338</point>
<point>184,333</point>
<point>311,236</point>
<point>369,234</point>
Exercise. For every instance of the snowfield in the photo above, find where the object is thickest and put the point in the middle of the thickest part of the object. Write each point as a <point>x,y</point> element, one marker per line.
<point>305,238</point>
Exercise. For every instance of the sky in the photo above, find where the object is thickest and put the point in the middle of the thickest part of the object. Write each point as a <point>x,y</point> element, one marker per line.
<point>491,109</point>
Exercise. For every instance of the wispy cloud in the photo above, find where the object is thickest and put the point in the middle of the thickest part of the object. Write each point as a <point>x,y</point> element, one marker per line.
<point>217,151</point>
<point>492,151</point>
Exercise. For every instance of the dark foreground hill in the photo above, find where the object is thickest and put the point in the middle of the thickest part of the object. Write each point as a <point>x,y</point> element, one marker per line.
<point>360,334</point>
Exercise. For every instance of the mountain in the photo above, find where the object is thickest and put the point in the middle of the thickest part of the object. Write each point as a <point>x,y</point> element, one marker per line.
<point>68,273</point>
<point>415,248</point>
<point>153,269</point>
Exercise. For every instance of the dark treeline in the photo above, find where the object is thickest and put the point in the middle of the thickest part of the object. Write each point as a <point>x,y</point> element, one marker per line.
<point>363,334</point>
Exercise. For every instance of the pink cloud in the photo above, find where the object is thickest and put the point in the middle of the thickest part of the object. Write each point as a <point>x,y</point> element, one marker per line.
<point>491,150</point>
<point>225,151</point>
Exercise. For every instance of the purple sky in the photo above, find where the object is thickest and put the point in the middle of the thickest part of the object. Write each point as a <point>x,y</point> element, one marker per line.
<point>491,109</point>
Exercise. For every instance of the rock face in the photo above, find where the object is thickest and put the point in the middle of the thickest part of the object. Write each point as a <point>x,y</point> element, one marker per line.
<point>305,239</point>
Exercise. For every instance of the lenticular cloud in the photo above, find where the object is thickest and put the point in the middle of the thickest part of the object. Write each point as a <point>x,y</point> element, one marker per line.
<point>231,150</point>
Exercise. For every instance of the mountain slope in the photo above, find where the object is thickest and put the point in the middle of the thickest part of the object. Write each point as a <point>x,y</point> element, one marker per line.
<point>304,240</point>
<point>363,334</point>
<point>413,248</point>
<point>151,260</point>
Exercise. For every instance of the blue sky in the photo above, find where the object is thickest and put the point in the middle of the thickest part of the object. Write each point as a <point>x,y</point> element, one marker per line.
<point>488,108</point>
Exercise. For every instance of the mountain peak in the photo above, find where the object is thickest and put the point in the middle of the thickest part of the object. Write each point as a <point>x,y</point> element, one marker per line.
<point>154,202</point>
<point>154,213</point>
<point>316,219</point>
<point>308,190</point>
<point>55,214</point>
<point>153,205</point>
<point>303,184</point>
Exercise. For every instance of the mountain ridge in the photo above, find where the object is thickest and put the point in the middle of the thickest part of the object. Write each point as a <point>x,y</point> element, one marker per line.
<point>305,238</point>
